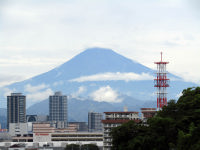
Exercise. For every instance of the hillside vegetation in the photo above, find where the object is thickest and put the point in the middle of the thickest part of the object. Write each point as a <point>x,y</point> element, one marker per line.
<point>175,127</point>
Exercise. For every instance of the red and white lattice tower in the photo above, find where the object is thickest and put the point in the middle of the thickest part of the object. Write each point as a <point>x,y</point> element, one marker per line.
<point>161,82</point>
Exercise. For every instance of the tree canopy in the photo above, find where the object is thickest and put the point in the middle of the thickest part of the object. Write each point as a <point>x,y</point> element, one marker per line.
<point>81,147</point>
<point>72,147</point>
<point>176,126</point>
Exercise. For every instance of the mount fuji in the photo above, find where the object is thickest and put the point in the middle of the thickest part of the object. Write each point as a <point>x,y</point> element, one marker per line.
<point>97,79</point>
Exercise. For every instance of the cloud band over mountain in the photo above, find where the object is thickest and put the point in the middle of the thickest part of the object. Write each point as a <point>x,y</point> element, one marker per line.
<point>110,76</point>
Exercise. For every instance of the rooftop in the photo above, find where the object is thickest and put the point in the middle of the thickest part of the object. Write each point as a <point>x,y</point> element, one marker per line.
<point>122,112</point>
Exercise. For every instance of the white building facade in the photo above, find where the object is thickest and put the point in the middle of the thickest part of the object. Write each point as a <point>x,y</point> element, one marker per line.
<point>115,119</point>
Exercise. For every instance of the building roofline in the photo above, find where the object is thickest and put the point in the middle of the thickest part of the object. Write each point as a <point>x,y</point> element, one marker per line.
<point>122,112</point>
<point>120,121</point>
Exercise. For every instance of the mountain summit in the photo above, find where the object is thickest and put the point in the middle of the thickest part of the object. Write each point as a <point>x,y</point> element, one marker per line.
<point>98,60</point>
<point>92,61</point>
<point>97,74</point>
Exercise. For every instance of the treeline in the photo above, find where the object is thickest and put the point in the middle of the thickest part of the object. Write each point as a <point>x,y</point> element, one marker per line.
<point>81,147</point>
<point>175,127</point>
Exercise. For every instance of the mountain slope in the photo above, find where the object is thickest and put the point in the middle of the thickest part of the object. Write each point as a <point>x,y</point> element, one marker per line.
<point>92,65</point>
<point>91,61</point>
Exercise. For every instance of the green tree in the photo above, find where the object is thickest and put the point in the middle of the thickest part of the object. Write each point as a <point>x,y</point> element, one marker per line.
<point>89,147</point>
<point>176,126</point>
<point>72,147</point>
<point>124,136</point>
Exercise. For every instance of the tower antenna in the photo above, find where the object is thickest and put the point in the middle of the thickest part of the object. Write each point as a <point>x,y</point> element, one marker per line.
<point>161,82</point>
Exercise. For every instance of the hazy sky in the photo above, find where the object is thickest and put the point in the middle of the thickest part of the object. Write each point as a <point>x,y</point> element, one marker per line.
<point>36,36</point>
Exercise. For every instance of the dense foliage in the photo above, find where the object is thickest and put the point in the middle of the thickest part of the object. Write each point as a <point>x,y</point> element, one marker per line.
<point>175,127</point>
<point>81,147</point>
<point>89,147</point>
<point>72,147</point>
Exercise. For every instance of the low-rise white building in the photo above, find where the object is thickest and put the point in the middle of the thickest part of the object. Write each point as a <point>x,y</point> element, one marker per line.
<point>115,119</point>
<point>18,129</point>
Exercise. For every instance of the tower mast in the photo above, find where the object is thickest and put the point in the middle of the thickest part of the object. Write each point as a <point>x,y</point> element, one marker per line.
<point>161,82</point>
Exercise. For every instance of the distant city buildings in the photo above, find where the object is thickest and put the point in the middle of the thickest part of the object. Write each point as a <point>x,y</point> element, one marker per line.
<point>43,132</point>
<point>94,122</point>
<point>54,129</point>
<point>115,119</point>
<point>16,108</point>
<point>58,110</point>
<point>81,126</point>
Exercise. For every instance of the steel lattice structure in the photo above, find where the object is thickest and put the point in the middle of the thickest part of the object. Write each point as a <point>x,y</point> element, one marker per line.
<point>161,82</point>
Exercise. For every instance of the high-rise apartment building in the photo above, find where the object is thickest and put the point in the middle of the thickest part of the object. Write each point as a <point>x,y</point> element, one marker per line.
<point>58,110</point>
<point>16,108</point>
<point>94,122</point>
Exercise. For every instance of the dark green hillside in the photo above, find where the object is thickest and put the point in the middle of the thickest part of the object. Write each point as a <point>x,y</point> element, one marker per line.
<point>176,127</point>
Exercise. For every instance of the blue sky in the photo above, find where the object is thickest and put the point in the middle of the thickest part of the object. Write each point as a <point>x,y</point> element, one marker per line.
<point>36,36</point>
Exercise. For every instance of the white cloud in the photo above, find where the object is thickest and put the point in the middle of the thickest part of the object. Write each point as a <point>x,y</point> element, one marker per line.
<point>26,25</point>
<point>8,91</point>
<point>38,96</point>
<point>6,79</point>
<point>109,76</point>
<point>31,89</point>
<point>4,93</point>
<point>106,94</point>
<point>81,90</point>
<point>38,92</point>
